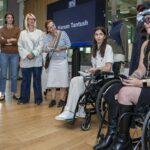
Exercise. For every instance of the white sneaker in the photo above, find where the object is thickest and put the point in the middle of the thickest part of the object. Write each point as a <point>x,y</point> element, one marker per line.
<point>66,115</point>
<point>81,113</point>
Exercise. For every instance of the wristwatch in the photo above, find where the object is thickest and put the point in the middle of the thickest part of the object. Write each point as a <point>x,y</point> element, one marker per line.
<point>144,83</point>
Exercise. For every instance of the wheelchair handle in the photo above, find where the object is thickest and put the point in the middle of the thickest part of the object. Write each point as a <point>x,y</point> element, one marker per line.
<point>98,75</point>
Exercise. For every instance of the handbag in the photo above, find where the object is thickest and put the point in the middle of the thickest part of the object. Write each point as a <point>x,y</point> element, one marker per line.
<point>48,57</point>
<point>47,60</point>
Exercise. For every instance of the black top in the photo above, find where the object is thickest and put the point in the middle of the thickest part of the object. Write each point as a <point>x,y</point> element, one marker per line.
<point>146,59</point>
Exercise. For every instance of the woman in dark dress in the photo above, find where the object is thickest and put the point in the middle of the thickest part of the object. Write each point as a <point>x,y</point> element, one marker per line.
<point>135,92</point>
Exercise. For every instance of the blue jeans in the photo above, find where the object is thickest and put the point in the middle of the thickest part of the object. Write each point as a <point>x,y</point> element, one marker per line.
<point>26,83</point>
<point>11,61</point>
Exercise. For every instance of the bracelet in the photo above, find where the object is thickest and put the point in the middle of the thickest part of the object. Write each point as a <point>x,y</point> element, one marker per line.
<point>144,83</point>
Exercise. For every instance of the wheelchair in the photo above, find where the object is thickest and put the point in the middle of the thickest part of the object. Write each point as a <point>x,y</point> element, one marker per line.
<point>102,106</point>
<point>87,100</point>
<point>146,133</point>
<point>141,119</point>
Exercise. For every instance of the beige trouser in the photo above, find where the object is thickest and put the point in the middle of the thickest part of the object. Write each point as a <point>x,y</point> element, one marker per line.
<point>77,87</point>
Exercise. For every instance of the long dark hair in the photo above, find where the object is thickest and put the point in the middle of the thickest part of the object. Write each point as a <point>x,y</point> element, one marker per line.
<point>102,48</point>
<point>7,14</point>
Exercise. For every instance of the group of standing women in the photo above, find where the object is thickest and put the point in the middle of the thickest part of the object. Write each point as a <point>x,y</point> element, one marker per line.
<point>28,45</point>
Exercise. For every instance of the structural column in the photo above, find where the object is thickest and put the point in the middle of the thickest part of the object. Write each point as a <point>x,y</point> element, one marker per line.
<point>139,2</point>
<point>21,13</point>
<point>113,7</point>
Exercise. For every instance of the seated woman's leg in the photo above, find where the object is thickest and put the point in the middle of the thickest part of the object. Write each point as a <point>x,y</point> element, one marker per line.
<point>77,87</point>
<point>127,97</point>
<point>112,118</point>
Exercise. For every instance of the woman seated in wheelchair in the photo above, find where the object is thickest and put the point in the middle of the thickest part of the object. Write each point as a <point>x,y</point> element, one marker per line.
<point>102,59</point>
<point>134,92</point>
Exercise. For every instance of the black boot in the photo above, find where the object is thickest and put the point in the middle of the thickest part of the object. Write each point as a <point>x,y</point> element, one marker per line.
<point>112,120</point>
<point>122,140</point>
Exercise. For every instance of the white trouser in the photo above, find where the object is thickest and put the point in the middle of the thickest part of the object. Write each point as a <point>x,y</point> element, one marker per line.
<point>77,87</point>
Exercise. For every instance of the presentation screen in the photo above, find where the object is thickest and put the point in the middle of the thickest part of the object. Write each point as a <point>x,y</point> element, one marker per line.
<point>79,21</point>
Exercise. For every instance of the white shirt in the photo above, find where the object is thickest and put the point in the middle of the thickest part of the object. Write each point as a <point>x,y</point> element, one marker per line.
<point>99,61</point>
<point>30,42</point>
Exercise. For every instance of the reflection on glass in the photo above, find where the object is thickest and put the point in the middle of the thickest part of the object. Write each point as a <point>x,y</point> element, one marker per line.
<point>86,56</point>
<point>85,53</point>
<point>3,7</point>
<point>88,50</point>
<point>70,52</point>
<point>81,48</point>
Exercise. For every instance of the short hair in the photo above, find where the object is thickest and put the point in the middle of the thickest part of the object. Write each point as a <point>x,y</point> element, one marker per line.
<point>26,20</point>
<point>7,14</point>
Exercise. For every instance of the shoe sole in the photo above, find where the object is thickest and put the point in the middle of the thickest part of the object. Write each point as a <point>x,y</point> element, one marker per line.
<point>63,119</point>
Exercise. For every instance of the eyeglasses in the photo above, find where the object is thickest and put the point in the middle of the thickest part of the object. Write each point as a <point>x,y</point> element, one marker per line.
<point>147,20</point>
<point>51,27</point>
<point>31,19</point>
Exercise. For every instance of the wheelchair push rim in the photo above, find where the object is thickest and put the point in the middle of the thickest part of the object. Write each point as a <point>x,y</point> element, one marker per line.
<point>146,133</point>
<point>101,105</point>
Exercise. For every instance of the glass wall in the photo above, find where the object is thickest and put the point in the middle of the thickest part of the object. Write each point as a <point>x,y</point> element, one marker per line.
<point>3,8</point>
<point>125,10</point>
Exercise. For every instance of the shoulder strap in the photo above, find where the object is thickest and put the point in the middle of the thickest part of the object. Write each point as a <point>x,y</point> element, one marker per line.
<point>58,38</point>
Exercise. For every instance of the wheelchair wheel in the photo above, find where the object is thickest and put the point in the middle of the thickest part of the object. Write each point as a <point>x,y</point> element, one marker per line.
<point>101,105</point>
<point>146,133</point>
<point>86,123</point>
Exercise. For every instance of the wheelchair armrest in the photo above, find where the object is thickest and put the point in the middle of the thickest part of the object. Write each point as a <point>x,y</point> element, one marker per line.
<point>88,78</point>
<point>102,74</point>
<point>107,73</point>
<point>98,75</point>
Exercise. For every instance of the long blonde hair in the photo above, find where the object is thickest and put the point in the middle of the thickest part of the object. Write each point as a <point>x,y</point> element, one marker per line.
<point>26,22</point>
